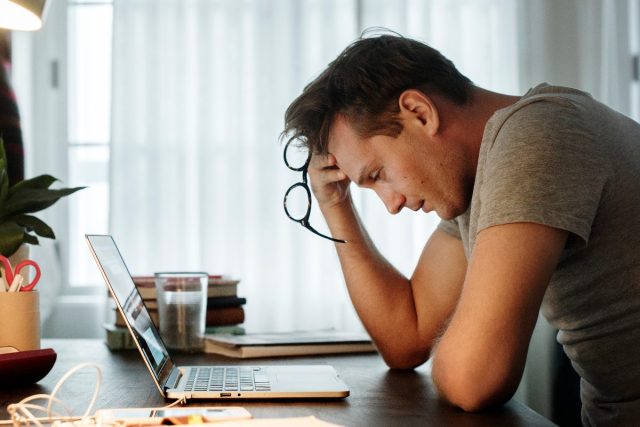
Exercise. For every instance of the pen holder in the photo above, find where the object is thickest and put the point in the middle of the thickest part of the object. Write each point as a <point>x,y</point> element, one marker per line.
<point>20,320</point>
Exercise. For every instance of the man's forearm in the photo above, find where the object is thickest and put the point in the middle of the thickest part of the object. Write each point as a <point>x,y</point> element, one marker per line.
<point>382,296</point>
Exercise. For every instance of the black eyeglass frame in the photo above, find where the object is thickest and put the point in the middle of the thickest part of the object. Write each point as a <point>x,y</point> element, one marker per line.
<point>304,221</point>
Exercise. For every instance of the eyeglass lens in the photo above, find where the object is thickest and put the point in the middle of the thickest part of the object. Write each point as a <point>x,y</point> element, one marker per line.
<point>297,199</point>
<point>296,157</point>
<point>297,203</point>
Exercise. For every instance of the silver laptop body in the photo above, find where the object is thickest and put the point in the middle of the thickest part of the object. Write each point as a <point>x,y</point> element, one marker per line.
<point>203,382</point>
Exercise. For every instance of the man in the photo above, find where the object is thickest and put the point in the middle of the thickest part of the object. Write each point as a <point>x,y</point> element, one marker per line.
<point>539,198</point>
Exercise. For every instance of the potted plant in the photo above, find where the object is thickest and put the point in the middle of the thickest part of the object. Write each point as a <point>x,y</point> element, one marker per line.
<point>18,202</point>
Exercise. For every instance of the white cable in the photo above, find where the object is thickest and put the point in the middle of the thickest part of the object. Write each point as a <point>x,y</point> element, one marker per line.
<point>69,374</point>
<point>20,412</point>
<point>22,416</point>
<point>183,399</point>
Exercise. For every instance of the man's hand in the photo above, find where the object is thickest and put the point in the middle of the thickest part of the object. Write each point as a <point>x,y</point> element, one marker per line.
<point>329,184</point>
<point>386,300</point>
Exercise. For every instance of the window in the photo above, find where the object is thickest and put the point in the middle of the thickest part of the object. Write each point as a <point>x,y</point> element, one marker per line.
<point>89,102</point>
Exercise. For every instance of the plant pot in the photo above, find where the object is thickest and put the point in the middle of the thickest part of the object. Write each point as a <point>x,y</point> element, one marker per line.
<point>19,321</point>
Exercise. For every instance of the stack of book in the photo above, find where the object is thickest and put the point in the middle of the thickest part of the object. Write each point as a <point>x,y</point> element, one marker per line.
<point>225,311</point>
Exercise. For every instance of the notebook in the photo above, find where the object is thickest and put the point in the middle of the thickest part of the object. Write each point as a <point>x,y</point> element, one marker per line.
<point>203,382</point>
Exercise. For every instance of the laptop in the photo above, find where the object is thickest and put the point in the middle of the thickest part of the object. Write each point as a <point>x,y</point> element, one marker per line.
<point>203,382</point>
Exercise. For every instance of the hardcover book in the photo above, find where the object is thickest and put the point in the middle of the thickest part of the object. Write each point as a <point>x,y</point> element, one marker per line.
<point>219,286</point>
<point>297,343</point>
<point>222,290</point>
<point>222,302</point>
<point>224,316</point>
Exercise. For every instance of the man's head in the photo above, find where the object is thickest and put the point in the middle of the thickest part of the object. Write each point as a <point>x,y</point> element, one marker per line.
<point>363,85</point>
<point>378,109</point>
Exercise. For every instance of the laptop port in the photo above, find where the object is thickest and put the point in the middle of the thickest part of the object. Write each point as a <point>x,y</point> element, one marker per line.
<point>225,394</point>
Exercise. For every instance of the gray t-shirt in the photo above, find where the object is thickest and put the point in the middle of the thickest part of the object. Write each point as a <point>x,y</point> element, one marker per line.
<point>558,157</point>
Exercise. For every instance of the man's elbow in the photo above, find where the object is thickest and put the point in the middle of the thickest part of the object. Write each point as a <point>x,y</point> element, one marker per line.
<point>473,391</point>
<point>471,400</point>
<point>405,358</point>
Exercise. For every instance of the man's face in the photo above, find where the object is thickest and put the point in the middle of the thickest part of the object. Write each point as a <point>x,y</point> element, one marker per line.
<point>412,170</point>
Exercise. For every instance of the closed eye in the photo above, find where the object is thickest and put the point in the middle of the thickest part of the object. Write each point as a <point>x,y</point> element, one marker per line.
<point>365,177</point>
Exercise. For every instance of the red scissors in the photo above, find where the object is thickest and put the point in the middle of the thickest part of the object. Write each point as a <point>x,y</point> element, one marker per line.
<point>10,273</point>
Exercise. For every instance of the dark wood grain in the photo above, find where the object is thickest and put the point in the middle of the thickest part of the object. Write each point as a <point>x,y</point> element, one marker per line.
<point>379,396</point>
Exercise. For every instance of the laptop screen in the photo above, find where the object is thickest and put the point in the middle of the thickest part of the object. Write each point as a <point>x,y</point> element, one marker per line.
<point>128,298</point>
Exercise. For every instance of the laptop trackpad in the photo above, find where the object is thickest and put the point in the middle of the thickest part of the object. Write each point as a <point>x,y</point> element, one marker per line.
<point>307,380</point>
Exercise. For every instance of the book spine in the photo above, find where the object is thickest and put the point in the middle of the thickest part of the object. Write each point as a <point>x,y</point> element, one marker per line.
<point>230,329</point>
<point>303,350</point>
<point>225,316</point>
<point>222,302</point>
<point>222,291</point>
<point>285,350</point>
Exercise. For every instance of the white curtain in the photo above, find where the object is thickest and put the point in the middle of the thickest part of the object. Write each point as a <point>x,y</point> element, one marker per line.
<point>579,43</point>
<point>200,90</point>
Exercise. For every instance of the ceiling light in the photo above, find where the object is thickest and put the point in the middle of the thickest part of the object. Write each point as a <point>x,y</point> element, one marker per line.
<point>23,15</point>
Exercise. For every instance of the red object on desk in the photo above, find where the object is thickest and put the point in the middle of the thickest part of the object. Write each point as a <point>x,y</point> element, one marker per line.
<point>25,367</point>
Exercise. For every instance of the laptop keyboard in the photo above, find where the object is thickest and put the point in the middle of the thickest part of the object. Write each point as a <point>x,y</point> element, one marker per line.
<point>227,379</point>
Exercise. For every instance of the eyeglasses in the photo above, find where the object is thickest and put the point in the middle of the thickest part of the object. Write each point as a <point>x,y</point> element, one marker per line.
<point>297,199</point>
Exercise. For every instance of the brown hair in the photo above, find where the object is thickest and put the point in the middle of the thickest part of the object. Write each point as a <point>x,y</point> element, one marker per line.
<point>364,82</point>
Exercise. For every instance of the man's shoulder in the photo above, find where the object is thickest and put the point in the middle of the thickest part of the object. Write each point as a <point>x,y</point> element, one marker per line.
<point>544,106</point>
<point>552,90</point>
<point>543,116</point>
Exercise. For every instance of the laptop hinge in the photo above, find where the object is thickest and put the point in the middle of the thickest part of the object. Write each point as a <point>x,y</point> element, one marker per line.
<point>173,380</point>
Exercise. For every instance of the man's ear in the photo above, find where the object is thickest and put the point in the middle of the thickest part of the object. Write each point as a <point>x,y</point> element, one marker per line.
<point>416,106</point>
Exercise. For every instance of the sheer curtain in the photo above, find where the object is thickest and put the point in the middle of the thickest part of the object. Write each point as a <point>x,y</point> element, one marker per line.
<point>200,90</point>
<point>580,43</point>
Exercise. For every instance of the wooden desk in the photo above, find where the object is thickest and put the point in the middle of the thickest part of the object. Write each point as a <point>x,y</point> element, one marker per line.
<point>379,396</point>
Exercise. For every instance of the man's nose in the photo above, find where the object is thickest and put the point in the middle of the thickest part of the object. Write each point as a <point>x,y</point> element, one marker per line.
<point>392,200</point>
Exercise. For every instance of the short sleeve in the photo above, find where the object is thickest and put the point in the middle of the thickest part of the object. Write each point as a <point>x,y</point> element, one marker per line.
<point>450,227</point>
<point>544,166</point>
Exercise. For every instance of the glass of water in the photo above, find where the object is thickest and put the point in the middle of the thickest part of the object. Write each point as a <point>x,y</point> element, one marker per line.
<point>182,307</point>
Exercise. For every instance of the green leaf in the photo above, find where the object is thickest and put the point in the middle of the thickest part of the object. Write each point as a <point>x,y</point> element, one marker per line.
<point>11,237</point>
<point>39,182</point>
<point>30,239</point>
<point>33,200</point>
<point>27,196</point>
<point>32,223</point>
<point>4,185</point>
